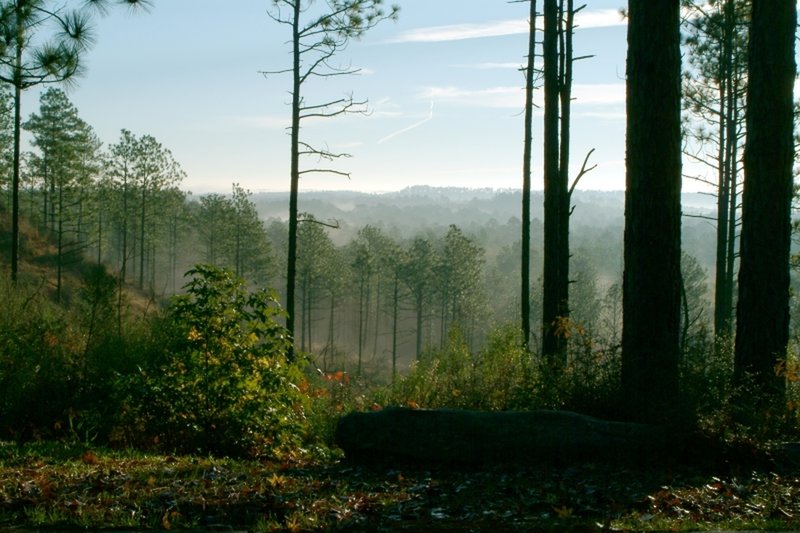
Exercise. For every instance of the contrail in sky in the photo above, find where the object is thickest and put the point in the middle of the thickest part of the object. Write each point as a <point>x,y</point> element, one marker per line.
<point>408,128</point>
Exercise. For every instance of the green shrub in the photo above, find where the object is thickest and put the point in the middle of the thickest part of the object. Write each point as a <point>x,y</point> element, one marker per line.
<point>217,379</point>
<point>505,376</point>
<point>501,376</point>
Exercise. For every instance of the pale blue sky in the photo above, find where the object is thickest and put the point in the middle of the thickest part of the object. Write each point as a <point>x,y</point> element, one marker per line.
<point>442,83</point>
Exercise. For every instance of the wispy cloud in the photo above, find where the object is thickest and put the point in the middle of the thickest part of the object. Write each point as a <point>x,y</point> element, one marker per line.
<point>385,108</point>
<point>456,32</point>
<point>601,95</point>
<point>408,128</point>
<point>491,66</point>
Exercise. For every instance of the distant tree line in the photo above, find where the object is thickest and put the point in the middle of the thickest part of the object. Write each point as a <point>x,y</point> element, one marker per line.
<point>122,205</point>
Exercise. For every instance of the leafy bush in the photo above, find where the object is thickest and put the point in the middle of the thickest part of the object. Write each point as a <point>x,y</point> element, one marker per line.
<point>502,376</point>
<point>218,380</point>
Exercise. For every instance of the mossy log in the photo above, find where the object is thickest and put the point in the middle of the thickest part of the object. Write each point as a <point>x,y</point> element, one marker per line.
<point>451,436</point>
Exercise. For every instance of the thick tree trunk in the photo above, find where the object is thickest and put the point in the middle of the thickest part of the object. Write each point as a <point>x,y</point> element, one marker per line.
<point>651,285</point>
<point>457,437</point>
<point>762,331</point>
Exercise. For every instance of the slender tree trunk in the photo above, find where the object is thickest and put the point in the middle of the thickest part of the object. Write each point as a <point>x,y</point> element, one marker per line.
<point>124,266</point>
<point>20,41</point>
<point>763,311</point>
<point>419,308</point>
<point>291,263</point>
<point>46,194</point>
<point>142,219</point>
<point>377,316</point>
<point>395,310</point>
<point>361,319</point>
<point>525,292</point>
<point>721,326</point>
<point>651,285</point>
<point>728,151</point>
<point>44,201</point>
<point>730,269</point>
<point>367,307</point>
<point>152,258</point>
<point>80,237</point>
<point>99,237</point>
<point>60,243</point>
<point>52,225</point>
<point>173,256</point>
<point>331,331</point>
<point>566,16</point>
<point>308,325</point>
<point>723,202</point>
<point>553,344</point>
<point>443,323</point>
<point>303,307</point>
<point>732,162</point>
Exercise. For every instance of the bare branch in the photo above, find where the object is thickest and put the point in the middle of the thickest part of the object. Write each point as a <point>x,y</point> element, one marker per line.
<point>332,223</point>
<point>700,180</point>
<point>324,171</point>
<point>706,159</point>
<point>347,106</point>
<point>267,73</point>
<point>582,173</point>
<point>319,61</point>
<point>702,217</point>
<point>323,154</point>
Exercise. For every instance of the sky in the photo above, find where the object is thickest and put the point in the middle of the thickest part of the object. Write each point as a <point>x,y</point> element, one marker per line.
<point>443,83</point>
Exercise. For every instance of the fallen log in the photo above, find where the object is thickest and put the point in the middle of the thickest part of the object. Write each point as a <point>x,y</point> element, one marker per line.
<point>452,437</point>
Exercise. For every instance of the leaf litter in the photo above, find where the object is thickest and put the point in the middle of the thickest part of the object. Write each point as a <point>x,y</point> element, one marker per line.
<point>95,489</point>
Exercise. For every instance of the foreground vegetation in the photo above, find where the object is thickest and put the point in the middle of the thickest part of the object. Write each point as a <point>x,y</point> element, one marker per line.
<point>75,487</point>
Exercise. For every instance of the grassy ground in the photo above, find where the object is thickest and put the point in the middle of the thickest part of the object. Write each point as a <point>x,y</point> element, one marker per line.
<point>72,487</point>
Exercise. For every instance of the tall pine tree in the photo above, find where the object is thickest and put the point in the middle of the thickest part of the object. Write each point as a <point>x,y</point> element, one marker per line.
<point>651,283</point>
<point>762,326</point>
